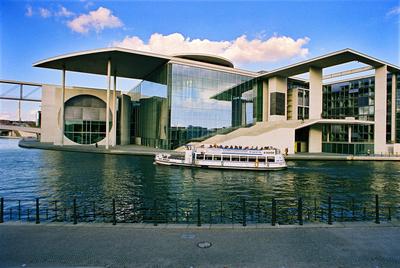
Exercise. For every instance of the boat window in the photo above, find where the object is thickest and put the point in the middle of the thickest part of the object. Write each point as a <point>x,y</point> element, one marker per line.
<point>252,159</point>
<point>226,158</point>
<point>235,158</point>
<point>208,157</point>
<point>243,158</point>
<point>261,159</point>
<point>217,157</point>
<point>271,158</point>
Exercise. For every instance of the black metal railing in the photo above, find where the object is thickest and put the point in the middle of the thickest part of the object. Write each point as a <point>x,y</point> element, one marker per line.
<point>199,212</point>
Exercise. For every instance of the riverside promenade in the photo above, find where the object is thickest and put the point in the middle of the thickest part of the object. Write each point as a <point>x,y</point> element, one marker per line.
<point>143,245</point>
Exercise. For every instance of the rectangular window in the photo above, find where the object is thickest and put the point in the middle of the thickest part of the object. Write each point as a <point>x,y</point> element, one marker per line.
<point>226,158</point>
<point>277,103</point>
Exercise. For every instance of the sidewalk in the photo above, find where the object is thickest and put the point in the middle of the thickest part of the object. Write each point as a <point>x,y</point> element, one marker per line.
<point>58,245</point>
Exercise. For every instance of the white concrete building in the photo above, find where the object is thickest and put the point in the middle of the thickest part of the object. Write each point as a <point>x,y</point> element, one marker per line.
<point>204,99</point>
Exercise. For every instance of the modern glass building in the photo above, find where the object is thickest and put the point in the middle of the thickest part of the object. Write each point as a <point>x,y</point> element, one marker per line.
<point>180,103</point>
<point>203,99</point>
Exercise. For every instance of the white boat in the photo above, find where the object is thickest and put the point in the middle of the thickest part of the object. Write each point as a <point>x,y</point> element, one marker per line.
<point>225,158</point>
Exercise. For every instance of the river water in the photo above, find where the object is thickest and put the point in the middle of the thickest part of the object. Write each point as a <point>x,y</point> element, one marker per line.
<point>26,174</point>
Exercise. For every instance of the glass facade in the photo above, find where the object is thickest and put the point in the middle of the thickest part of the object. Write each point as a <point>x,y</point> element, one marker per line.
<point>85,119</point>
<point>180,103</point>
<point>349,99</point>
<point>389,109</point>
<point>150,111</point>
<point>398,110</point>
<point>303,103</point>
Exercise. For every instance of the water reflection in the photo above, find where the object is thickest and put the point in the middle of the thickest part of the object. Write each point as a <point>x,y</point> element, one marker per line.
<point>27,174</point>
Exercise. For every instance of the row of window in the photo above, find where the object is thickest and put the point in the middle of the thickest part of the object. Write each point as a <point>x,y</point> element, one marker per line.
<point>234,158</point>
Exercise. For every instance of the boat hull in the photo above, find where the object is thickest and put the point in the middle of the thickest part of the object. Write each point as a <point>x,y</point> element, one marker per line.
<point>169,163</point>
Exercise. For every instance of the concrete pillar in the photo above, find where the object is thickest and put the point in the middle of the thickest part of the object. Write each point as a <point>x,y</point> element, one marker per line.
<point>328,137</point>
<point>19,102</point>
<point>393,118</point>
<point>244,115</point>
<point>294,96</point>
<point>349,132</point>
<point>315,139</point>
<point>265,101</point>
<point>62,117</point>
<point>277,84</point>
<point>108,104</point>
<point>380,109</point>
<point>315,93</point>
<point>114,120</point>
<point>125,127</point>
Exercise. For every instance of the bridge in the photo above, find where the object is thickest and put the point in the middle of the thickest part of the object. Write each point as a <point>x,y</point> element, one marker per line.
<point>20,91</point>
<point>35,130</point>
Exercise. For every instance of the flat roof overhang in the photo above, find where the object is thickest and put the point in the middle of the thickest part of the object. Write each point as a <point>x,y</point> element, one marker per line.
<point>311,122</point>
<point>124,62</point>
<point>329,60</point>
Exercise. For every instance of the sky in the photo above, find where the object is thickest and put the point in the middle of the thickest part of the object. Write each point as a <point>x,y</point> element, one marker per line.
<point>255,35</point>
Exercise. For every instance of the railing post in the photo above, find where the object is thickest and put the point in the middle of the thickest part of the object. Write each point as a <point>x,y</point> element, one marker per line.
<point>300,211</point>
<point>37,211</point>
<point>377,220</point>
<point>155,212</point>
<point>329,210</point>
<point>244,212</point>
<point>198,213</point>
<point>74,211</point>
<point>114,222</point>
<point>1,210</point>
<point>273,220</point>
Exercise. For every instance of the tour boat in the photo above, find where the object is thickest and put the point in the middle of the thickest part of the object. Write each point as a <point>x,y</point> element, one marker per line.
<point>225,158</point>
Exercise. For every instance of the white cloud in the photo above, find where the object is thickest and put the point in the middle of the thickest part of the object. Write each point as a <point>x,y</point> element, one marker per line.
<point>6,116</point>
<point>64,12</point>
<point>239,50</point>
<point>29,11</point>
<point>44,12</point>
<point>394,11</point>
<point>96,20</point>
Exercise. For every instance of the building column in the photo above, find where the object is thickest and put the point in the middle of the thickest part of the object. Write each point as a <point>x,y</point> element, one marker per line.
<point>315,93</point>
<point>125,130</point>
<point>380,109</point>
<point>328,131</point>
<point>277,85</point>
<point>108,104</point>
<point>265,101</point>
<point>349,133</point>
<point>62,117</point>
<point>19,102</point>
<point>393,118</point>
<point>315,139</point>
<point>114,120</point>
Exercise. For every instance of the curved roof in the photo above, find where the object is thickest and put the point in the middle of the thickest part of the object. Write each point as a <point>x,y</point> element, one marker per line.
<point>124,62</point>
<point>207,58</point>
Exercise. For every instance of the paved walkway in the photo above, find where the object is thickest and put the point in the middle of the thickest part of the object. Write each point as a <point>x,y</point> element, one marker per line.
<point>56,245</point>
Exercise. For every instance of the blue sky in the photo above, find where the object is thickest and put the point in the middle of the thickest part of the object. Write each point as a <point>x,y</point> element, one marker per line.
<point>35,30</point>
